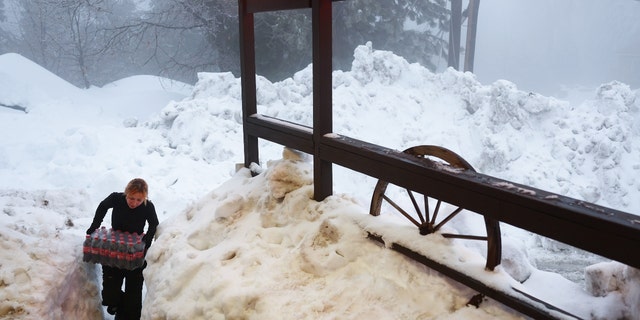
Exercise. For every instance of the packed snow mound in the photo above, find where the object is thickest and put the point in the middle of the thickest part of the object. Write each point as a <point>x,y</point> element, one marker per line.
<point>249,246</point>
<point>211,258</point>
<point>587,151</point>
<point>41,274</point>
<point>206,124</point>
<point>611,278</point>
<point>600,139</point>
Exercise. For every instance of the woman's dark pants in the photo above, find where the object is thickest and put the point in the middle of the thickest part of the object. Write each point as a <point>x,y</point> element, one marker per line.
<point>129,302</point>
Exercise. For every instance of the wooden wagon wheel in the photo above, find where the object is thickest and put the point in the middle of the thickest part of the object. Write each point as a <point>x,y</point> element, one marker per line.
<point>430,221</point>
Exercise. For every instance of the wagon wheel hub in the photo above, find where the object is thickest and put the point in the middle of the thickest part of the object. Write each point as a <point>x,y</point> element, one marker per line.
<point>426,228</point>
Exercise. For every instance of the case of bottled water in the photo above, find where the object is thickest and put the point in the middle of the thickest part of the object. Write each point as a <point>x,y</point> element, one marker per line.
<point>114,248</point>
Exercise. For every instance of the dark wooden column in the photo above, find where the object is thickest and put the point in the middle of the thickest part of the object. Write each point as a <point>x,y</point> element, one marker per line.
<point>322,94</point>
<point>248,80</point>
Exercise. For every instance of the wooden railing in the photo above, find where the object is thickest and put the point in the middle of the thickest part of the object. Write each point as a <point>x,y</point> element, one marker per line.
<point>604,231</point>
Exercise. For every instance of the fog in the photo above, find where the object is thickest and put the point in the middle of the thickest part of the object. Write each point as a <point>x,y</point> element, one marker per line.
<point>544,44</point>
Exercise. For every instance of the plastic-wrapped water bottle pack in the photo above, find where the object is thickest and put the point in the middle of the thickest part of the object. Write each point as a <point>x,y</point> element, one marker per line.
<point>114,248</point>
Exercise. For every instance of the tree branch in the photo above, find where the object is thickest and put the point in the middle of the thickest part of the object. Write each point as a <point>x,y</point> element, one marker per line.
<point>14,107</point>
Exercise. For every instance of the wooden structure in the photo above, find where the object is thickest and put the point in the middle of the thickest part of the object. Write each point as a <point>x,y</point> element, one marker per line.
<point>607,232</point>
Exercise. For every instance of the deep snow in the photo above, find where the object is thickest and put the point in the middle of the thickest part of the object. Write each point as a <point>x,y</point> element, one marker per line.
<point>232,246</point>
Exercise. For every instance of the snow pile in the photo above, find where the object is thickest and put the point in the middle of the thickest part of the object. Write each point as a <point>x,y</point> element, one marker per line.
<point>41,271</point>
<point>254,246</point>
<point>613,277</point>
<point>261,248</point>
<point>600,140</point>
<point>587,151</point>
<point>208,126</point>
<point>504,131</point>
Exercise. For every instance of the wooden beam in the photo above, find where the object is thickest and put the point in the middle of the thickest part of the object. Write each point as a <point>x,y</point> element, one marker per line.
<point>255,6</point>
<point>603,231</point>
<point>600,230</point>
<point>516,300</point>
<point>282,132</point>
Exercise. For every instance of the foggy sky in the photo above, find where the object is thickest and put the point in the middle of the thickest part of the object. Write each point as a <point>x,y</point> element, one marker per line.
<point>542,44</point>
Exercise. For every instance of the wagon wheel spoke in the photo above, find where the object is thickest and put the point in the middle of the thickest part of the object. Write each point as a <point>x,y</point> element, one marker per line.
<point>427,221</point>
<point>435,211</point>
<point>447,219</point>
<point>417,208</point>
<point>402,211</point>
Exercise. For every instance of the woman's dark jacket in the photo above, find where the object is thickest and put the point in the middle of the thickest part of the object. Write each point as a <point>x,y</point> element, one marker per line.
<point>124,218</point>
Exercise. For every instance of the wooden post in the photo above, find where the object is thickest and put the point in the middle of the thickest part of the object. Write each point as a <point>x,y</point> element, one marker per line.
<point>470,52</point>
<point>322,94</point>
<point>248,80</point>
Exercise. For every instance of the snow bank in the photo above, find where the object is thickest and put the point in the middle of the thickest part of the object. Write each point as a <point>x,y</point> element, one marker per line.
<point>41,271</point>
<point>216,255</point>
<point>502,131</point>
<point>585,151</point>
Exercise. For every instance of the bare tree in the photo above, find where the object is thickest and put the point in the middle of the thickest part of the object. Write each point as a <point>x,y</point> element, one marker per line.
<point>68,37</point>
<point>202,34</point>
<point>89,42</point>
<point>183,37</point>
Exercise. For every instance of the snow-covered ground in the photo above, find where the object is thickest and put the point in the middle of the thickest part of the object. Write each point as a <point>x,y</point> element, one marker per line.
<point>233,246</point>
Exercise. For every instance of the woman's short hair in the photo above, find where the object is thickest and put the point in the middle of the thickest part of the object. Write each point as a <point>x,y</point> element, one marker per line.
<point>137,185</point>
